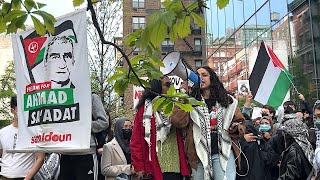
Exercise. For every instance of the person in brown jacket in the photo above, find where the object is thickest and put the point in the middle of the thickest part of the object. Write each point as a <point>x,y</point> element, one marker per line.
<point>213,130</point>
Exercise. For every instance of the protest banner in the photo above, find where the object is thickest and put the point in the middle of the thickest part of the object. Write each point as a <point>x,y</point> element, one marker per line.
<point>53,87</point>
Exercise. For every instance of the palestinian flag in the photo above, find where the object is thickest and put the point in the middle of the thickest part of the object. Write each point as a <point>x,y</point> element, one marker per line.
<point>34,50</point>
<point>269,80</point>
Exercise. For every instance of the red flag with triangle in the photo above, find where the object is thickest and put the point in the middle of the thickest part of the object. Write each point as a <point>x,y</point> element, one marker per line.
<point>32,47</point>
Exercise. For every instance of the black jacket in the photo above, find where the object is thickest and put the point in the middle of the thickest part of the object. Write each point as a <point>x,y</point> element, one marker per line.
<point>260,158</point>
<point>294,164</point>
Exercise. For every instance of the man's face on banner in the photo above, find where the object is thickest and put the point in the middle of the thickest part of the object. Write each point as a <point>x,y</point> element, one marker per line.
<point>59,59</point>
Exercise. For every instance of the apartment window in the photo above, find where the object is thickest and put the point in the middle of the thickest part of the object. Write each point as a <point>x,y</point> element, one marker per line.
<point>138,22</point>
<point>195,29</point>
<point>137,3</point>
<point>197,44</point>
<point>198,63</point>
<point>167,46</point>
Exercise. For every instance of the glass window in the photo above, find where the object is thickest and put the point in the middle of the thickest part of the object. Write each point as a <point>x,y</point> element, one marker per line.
<point>137,3</point>
<point>197,44</point>
<point>138,22</point>
<point>167,45</point>
<point>198,63</point>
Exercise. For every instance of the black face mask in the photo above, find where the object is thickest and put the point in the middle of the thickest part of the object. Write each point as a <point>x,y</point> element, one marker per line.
<point>288,110</point>
<point>127,133</point>
<point>264,114</point>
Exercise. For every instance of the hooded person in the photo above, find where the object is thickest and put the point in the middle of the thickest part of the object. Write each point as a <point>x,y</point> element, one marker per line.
<point>297,159</point>
<point>257,156</point>
<point>116,157</point>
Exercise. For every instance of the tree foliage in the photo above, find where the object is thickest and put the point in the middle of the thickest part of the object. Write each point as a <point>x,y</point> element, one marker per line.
<point>7,89</point>
<point>176,19</point>
<point>300,80</point>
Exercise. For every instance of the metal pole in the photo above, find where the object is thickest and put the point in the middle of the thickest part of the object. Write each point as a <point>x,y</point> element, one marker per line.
<point>313,51</point>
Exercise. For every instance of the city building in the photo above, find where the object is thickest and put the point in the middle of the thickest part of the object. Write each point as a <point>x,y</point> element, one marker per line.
<point>192,48</point>
<point>248,34</point>
<point>305,19</point>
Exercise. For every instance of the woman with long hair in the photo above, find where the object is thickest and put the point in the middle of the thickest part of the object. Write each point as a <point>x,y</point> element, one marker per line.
<point>213,130</point>
<point>153,130</point>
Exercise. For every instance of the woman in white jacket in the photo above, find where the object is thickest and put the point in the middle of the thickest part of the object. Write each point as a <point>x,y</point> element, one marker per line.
<point>116,157</point>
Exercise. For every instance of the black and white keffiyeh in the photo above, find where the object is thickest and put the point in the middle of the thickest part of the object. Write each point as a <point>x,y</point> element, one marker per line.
<point>298,130</point>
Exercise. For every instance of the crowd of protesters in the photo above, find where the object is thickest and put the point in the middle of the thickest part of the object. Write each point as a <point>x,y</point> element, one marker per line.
<point>217,140</point>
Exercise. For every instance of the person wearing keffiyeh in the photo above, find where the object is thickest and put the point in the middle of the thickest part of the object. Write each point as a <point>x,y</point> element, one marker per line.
<point>213,130</point>
<point>316,119</point>
<point>297,159</point>
<point>157,149</point>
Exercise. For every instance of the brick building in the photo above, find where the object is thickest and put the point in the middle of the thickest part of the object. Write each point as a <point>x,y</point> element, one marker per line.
<point>306,28</point>
<point>192,48</point>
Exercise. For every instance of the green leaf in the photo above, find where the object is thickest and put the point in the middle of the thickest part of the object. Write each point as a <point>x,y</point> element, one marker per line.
<point>136,59</point>
<point>159,33</point>
<point>20,21</point>
<point>222,3</point>
<point>120,86</point>
<point>193,101</point>
<point>5,8</point>
<point>11,28</point>
<point>156,62</point>
<point>171,90</point>
<point>198,19</point>
<point>157,50</point>
<point>175,6</point>
<point>173,35</point>
<point>145,37</point>
<point>16,4</point>
<point>3,27</point>
<point>77,2</point>
<point>46,16</point>
<point>158,100</point>
<point>41,30</point>
<point>168,17</point>
<point>13,15</point>
<point>29,4</point>
<point>181,95</point>
<point>183,27</point>
<point>115,76</point>
<point>41,5</point>
<point>133,36</point>
<point>49,26</point>
<point>193,6</point>
<point>185,107</point>
<point>168,108</point>
<point>121,69</point>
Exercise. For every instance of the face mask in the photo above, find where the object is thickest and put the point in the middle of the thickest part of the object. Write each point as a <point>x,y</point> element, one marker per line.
<point>127,133</point>
<point>264,128</point>
<point>317,123</point>
<point>288,110</point>
<point>264,114</point>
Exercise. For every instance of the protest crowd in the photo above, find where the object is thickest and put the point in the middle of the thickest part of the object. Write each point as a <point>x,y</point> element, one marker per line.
<point>218,140</point>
